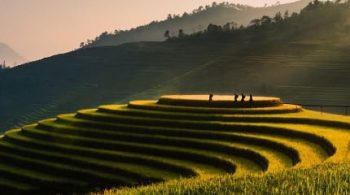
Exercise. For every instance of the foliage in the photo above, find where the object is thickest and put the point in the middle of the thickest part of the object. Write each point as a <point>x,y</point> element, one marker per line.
<point>319,12</point>
<point>303,59</point>
<point>194,22</point>
<point>262,22</point>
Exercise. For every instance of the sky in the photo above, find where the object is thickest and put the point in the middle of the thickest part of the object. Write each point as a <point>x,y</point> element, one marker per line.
<point>41,28</point>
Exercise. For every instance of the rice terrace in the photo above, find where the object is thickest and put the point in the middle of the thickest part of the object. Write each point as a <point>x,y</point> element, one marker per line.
<point>183,136</point>
<point>238,97</point>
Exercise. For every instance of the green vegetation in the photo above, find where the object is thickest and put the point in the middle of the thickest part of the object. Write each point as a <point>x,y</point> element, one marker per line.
<point>322,179</point>
<point>192,145</point>
<point>301,59</point>
<point>167,141</point>
<point>225,13</point>
<point>291,26</point>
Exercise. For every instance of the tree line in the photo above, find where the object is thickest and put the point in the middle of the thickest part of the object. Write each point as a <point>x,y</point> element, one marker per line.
<point>170,17</point>
<point>255,24</point>
<point>279,19</point>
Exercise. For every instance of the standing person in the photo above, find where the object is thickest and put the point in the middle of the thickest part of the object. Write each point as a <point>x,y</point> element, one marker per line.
<point>236,97</point>
<point>211,97</point>
<point>243,97</point>
<point>251,98</point>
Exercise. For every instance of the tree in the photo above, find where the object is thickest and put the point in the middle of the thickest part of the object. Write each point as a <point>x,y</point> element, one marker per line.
<point>82,44</point>
<point>212,28</point>
<point>181,33</point>
<point>278,17</point>
<point>316,2</point>
<point>167,34</point>
<point>227,27</point>
<point>103,35</point>
<point>286,14</point>
<point>169,17</point>
<point>265,20</point>
<point>255,22</point>
<point>312,5</point>
<point>200,8</point>
<point>116,32</point>
<point>176,16</point>
<point>294,14</point>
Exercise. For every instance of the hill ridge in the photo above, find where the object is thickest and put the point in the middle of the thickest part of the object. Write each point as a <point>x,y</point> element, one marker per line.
<point>198,20</point>
<point>276,60</point>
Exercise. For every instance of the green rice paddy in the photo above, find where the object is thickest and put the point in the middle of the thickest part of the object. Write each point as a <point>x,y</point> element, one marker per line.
<point>178,137</point>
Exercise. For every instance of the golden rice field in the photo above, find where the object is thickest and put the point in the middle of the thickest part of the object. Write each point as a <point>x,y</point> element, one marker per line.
<point>175,145</point>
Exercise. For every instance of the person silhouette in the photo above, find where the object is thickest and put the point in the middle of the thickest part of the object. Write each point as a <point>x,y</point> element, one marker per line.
<point>211,97</point>
<point>251,98</point>
<point>236,97</point>
<point>243,97</point>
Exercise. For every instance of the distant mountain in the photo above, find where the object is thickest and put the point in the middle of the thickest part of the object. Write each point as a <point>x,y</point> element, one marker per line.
<point>303,59</point>
<point>11,57</point>
<point>198,20</point>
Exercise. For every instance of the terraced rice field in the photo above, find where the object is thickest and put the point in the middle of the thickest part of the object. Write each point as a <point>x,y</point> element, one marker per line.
<point>175,137</point>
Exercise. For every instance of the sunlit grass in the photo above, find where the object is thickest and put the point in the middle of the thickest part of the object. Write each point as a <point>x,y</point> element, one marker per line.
<point>146,142</point>
<point>321,179</point>
<point>326,178</point>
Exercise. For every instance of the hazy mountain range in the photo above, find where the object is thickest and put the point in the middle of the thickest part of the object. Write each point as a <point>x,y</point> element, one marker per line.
<point>11,57</point>
<point>218,14</point>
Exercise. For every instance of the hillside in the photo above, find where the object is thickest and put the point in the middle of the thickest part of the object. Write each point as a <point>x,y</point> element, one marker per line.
<point>11,57</point>
<point>197,21</point>
<point>322,179</point>
<point>303,59</point>
<point>170,139</point>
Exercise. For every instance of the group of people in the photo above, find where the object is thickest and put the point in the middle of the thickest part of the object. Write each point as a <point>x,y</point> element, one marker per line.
<point>235,97</point>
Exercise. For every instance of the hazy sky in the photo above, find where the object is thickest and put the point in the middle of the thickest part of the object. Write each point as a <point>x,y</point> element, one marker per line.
<point>39,28</point>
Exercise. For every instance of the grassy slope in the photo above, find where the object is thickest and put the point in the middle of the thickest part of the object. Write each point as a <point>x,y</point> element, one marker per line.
<point>311,67</point>
<point>63,83</point>
<point>321,179</point>
<point>115,146</point>
<point>330,177</point>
